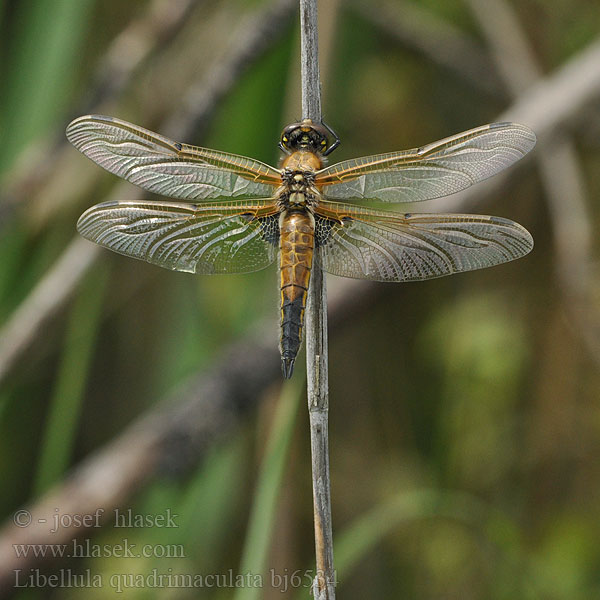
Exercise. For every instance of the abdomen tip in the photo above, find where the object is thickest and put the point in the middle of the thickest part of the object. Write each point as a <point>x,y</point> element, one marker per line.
<point>287,367</point>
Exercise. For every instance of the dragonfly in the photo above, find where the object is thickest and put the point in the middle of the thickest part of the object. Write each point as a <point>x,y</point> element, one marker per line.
<point>232,214</point>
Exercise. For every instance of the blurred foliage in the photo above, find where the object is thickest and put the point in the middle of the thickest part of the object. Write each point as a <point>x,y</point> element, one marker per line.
<point>465,423</point>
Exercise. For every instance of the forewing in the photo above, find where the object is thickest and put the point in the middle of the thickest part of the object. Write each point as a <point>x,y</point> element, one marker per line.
<point>432,171</point>
<point>203,238</point>
<point>383,246</point>
<point>162,166</point>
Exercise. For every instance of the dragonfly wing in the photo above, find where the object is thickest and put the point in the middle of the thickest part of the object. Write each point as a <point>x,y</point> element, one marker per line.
<point>432,171</point>
<point>162,166</point>
<point>204,238</point>
<point>384,246</point>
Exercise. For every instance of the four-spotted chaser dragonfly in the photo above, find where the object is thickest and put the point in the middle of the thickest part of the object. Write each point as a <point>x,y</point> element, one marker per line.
<point>240,214</point>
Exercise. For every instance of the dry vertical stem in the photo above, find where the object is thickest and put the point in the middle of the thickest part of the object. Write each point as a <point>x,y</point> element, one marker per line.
<point>316,336</point>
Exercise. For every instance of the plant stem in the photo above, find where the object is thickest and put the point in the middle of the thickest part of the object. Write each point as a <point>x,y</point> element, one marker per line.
<point>316,337</point>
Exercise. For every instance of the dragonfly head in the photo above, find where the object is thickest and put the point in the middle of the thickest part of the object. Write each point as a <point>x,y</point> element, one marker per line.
<point>308,136</point>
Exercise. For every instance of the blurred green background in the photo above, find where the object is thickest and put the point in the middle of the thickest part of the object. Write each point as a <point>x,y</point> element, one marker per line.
<point>465,422</point>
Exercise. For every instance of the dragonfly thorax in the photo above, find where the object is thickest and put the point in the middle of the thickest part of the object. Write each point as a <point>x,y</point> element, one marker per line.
<point>297,178</point>
<point>298,189</point>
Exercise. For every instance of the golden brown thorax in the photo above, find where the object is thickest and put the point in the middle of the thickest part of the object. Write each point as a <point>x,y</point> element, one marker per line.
<point>302,160</point>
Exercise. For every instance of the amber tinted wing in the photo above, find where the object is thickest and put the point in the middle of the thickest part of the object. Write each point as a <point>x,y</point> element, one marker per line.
<point>160,165</point>
<point>203,238</point>
<point>431,171</point>
<point>384,246</point>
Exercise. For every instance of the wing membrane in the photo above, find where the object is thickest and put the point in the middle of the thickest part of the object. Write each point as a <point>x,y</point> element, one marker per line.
<point>383,246</point>
<point>204,238</point>
<point>432,171</point>
<point>160,165</point>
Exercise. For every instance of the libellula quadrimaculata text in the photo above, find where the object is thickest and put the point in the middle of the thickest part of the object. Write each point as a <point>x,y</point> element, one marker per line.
<point>238,215</point>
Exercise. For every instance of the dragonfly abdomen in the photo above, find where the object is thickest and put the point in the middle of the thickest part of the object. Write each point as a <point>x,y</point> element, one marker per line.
<point>296,245</point>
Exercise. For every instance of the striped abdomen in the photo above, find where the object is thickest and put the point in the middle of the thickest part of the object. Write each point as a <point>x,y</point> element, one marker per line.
<point>296,245</point>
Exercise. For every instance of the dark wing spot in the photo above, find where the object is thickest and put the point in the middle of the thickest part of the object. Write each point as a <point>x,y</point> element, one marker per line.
<point>178,146</point>
<point>269,229</point>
